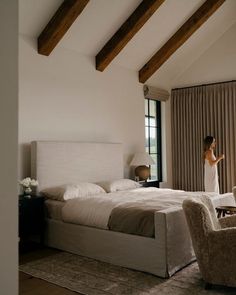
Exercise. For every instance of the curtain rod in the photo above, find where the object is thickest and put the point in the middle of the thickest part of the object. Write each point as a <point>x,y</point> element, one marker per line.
<point>204,85</point>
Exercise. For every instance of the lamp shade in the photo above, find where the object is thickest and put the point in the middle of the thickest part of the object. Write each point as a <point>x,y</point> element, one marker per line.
<point>141,159</point>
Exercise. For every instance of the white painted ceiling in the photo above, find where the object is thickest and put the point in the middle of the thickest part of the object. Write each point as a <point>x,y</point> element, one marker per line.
<point>101,19</point>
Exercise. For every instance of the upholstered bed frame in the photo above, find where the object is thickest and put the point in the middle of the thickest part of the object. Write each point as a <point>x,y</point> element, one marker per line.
<point>56,163</point>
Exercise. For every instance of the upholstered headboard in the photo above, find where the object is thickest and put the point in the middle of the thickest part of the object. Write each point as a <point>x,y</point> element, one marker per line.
<point>56,163</point>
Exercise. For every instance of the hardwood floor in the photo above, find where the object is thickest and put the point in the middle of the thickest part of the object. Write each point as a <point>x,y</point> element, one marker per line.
<point>29,285</point>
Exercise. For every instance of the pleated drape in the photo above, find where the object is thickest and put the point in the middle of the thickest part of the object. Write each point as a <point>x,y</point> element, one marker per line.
<point>198,112</point>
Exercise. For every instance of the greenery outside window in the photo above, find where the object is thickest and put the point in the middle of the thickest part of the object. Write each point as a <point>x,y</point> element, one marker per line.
<point>153,136</point>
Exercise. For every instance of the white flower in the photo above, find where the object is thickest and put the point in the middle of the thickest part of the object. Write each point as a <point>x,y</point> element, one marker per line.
<point>34,182</point>
<point>25,182</point>
<point>28,182</point>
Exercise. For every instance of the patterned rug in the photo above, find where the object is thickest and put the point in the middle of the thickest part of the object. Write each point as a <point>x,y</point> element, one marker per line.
<point>92,277</point>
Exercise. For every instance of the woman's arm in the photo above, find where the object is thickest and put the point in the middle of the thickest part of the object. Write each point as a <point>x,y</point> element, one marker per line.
<point>210,158</point>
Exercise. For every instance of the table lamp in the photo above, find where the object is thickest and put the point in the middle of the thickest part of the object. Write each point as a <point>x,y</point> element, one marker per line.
<point>141,160</point>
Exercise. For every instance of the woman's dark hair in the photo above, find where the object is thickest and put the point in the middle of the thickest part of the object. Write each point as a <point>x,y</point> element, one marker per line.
<point>207,143</point>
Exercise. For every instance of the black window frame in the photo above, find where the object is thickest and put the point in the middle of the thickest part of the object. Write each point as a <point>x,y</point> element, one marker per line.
<point>158,136</point>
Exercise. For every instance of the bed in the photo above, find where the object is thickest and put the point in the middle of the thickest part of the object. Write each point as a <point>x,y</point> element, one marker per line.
<point>57,163</point>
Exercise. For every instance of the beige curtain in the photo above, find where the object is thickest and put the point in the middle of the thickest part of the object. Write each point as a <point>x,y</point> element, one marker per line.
<point>197,112</point>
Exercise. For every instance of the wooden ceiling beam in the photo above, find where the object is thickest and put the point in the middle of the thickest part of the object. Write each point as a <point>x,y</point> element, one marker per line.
<point>126,32</point>
<point>187,29</point>
<point>59,25</point>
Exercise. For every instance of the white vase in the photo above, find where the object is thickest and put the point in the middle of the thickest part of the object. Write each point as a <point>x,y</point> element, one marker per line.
<point>27,191</point>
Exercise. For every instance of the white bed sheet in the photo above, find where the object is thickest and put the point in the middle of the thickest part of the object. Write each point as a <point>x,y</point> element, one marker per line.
<point>95,210</point>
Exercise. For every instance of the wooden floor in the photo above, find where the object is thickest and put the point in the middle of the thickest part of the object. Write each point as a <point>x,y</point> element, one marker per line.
<point>29,285</point>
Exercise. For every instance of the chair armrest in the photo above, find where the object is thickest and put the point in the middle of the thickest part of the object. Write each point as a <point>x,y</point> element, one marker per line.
<point>221,252</point>
<point>234,192</point>
<point>223,239</point>
<point>228,221</point>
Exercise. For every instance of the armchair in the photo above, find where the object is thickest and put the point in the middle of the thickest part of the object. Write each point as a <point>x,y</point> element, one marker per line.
<point>214,243</point>
<point>234,192</point>
<point>227,221</point>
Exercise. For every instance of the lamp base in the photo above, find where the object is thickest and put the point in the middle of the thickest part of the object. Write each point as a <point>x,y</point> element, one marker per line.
<point>142,172</point>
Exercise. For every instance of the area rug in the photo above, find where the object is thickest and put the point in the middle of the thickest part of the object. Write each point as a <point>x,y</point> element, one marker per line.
<point>92,277</point>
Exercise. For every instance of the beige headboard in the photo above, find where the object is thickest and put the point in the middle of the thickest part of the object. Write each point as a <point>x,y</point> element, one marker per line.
<point>56,163</point>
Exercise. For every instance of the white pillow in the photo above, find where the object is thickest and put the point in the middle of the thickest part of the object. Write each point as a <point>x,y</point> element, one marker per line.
<point>72,191</point>
<point>119,185</point>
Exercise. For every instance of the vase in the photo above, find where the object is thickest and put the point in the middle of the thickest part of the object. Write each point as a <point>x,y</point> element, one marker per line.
<point>27,192</point>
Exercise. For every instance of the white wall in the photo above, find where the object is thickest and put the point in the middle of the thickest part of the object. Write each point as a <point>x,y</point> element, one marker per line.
<point>216,64</point>
<point>166,144</point>
<point>8,146</point>
<point>63,97</point>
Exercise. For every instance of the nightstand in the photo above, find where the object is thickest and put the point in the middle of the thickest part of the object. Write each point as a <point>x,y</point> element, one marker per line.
<point>31,217</point>
<point>150,183</point>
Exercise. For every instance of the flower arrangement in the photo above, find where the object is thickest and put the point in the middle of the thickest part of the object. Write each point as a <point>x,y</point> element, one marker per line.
<point>27,184</point>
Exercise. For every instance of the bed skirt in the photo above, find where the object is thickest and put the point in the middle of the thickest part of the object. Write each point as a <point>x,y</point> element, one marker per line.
<point>169,251</point>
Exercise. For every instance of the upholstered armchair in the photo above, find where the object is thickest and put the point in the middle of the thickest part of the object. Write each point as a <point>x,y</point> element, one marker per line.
<point>227,221</point>
<point>234,192</point>
<point>214,242</point>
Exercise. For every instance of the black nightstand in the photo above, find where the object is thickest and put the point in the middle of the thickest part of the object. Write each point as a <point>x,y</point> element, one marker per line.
<point>149,183</point>
<point>31,218</point>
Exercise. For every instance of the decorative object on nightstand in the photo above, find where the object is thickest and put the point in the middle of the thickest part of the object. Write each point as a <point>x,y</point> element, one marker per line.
<point>149,183</point>
<point>28,186</point>
<point>141,160</point>
<point>223,210</point>
<point>31,218</point>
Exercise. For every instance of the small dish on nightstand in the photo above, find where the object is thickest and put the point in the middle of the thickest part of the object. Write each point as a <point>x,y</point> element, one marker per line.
<point>150,183</point>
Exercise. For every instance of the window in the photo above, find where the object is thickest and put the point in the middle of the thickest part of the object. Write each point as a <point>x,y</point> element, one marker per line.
<point>153,135</point>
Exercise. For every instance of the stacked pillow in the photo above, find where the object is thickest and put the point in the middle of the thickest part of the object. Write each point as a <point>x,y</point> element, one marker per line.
<point>86,189</point>
<point>119,185</point>
<point>72,191</point>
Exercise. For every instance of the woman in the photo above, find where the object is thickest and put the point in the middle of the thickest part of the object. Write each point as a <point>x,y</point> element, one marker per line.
<point>210,167</point>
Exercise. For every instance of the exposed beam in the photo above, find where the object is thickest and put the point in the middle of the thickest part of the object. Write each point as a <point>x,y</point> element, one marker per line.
<point>126,32</point>
<point>59,25</point>
<point>187,29</point>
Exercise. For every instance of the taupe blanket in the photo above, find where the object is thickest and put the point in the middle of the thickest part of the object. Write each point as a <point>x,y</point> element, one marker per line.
<point>134,218</point>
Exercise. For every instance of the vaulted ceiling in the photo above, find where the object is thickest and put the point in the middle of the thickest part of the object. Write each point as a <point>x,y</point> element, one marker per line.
<point>99,20</point>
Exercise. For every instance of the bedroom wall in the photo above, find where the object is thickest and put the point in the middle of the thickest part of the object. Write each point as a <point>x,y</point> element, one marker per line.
<point>216,64</point>
<point>8,147</point>
<point>63,97</point>
<point>166,144</point>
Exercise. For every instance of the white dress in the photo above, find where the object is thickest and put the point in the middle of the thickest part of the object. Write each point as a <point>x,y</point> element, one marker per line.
<point>211,177</point>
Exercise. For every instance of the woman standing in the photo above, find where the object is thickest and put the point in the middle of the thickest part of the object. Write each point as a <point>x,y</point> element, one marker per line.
<point>210,166</point>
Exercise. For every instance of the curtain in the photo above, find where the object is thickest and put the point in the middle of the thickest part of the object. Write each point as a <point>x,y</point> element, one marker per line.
<point>197,112</point>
